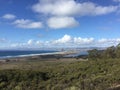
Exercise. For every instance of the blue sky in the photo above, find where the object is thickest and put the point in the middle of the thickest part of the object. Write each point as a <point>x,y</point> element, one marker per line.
<point>59,23</point>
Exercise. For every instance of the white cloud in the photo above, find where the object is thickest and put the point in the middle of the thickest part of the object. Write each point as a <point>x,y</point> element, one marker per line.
<point>71,8</point>
<point>116,0</point>
<point>65,39</point>
<point>40,43</point>
<point>103,40</point>
<point>34,42</point>
<point>62,13</point>
<point>80,40</point>
<point>62,22</point>
<point>108,42</point>
<point>30,42</point>
<point>68,41</point>
<point>9,16</point>
<point>27,24</point>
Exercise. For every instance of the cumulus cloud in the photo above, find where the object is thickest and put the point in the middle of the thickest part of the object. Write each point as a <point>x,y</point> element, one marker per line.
<point>64,40</point>
<point>71,8</point>
<point>105,41</point>
<point>62,22</point>
<point>34,42</point>
<point>80,40</point>
<point>27,24</point>
<point>9,16</point>
<point>30,42</point>
<point>72,41</point>
<point>68,41</point>
<point>63,13</point>
<point>38,42</point>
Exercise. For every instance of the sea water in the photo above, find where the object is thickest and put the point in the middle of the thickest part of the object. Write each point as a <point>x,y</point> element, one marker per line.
<point>20,53</point>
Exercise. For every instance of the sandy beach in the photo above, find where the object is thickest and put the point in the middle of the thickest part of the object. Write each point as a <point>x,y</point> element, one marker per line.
<point>41,57</point>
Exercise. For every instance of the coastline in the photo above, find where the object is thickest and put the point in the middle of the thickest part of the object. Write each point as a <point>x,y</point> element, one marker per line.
<point>42,56</point>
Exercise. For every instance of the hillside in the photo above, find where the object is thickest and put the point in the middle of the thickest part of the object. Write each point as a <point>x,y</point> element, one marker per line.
<point>61,75</point>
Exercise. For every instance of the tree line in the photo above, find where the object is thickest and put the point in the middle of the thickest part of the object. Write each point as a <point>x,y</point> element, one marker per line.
<point>110,52</point>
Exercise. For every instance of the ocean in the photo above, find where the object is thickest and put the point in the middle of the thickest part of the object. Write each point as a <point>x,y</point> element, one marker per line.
<point>21,53</point>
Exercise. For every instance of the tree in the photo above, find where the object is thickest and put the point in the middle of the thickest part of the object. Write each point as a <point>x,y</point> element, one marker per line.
<point>117,51</point>
<point>94,54</point>
<point>110,52</point>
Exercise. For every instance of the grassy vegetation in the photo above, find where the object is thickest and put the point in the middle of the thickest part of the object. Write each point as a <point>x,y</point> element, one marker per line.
<point>60,75</point>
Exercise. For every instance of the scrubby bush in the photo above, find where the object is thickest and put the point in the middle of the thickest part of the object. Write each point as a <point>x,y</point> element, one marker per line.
<point>110,52</point>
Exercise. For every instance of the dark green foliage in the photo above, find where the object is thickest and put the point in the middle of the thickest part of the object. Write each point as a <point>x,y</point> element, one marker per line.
<point>117,51</point>
<point>110,52</point>
<point>80,75</point>
<point>81,56</point>
<point>21,79</point>
<point>94,54</point>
